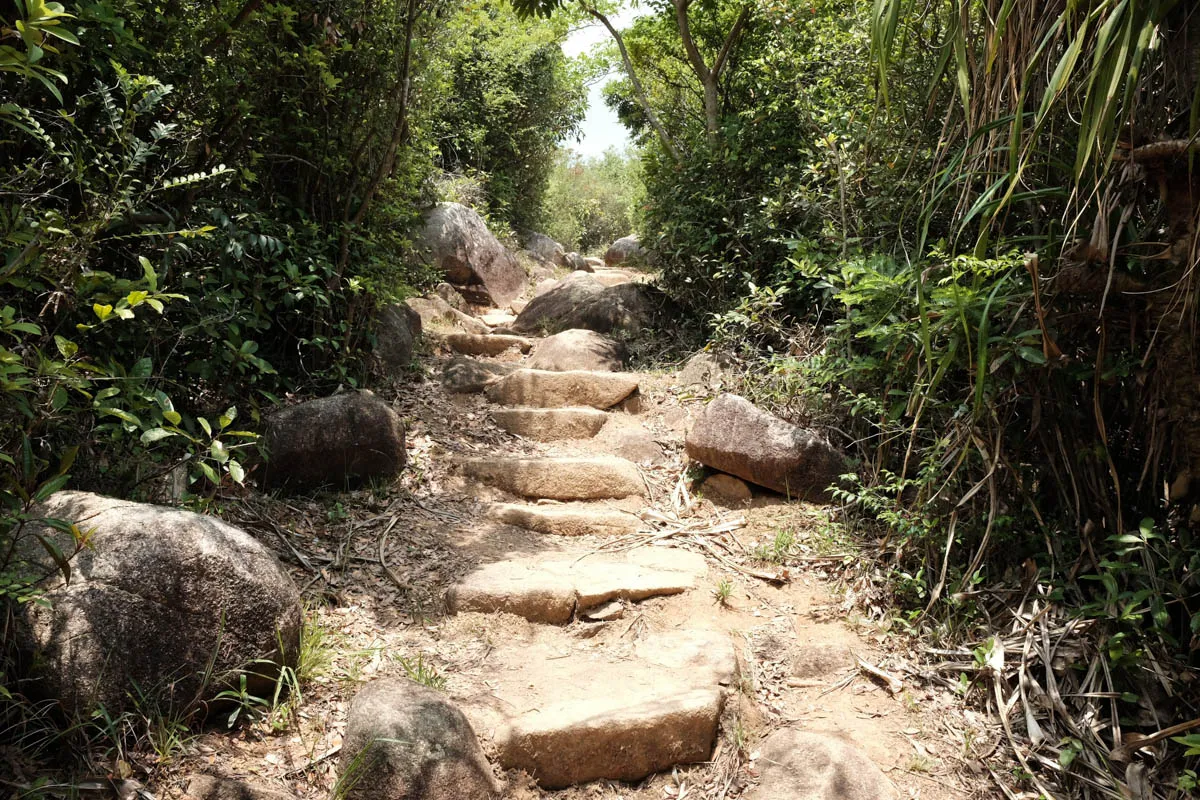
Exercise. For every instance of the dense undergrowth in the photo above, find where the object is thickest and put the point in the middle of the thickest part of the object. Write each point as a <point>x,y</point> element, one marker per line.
<point>961,237</point>
<point>202,206</point>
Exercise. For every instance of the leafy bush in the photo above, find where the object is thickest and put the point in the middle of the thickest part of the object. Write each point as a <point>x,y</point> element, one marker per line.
<point>592,202</point>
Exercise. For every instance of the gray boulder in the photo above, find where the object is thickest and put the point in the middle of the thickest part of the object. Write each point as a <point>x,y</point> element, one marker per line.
<point>456,240</point>
<point>733,435</point>
<point>546,311</point>
<point>705,369</point>
<point>407,742</point>
<point>396,333</point>
<point>816,766</point>
<point>627,308</point>
<point>464,375</point>
<point>578,349</point>
<point>451,296</point>
<point>545,248</point>
<point>163,602</point>
<point>576,262</point>
<point>627,250</point>
<point>334,441</point>
<point>437,314</point>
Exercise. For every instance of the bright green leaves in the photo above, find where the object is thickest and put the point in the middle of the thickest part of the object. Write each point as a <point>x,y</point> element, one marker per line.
<point>38,24</point>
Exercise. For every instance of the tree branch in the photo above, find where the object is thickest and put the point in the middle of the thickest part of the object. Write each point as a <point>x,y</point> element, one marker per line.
<point>734,33</point>
<point>638,90</point>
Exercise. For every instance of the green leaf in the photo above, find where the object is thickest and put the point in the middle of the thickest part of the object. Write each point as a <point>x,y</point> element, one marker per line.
<point>50,487</point>
<point>236,472</point>
<point>156,435</point>
<point>148,273</point>
<point>56,554</point>
<point>66,347</point>
<point>173,417</point>
<point>103,312</point>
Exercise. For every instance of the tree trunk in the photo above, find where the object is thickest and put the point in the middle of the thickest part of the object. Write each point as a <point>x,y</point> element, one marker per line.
<point>638,90</point>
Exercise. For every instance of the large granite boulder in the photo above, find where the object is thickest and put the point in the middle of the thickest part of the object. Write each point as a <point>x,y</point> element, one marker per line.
<point>407,742</point>
<point>627,309</point>
<point>334,441</point>
<point>457,241</point>
<point>578,350</point>
<point>438,314</point>
<point>816,766</point>
<point>545,248</point>
<point>733,435</point>
<point>396,333</point>
<point>627,250</point>
<point>162,603</point>
<point>546,311</point>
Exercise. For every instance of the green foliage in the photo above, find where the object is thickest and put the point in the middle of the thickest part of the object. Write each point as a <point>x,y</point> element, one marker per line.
<point>419,670</point>
<point>592,202</point>
<point>508,97</point>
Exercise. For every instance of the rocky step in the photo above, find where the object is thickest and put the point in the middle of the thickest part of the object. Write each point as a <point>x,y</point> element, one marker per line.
<point>546,389</point>
<point>584,478</point>
<point>553,588</point>
<point>474,344</point>
<point>573,519</point>
<point>570,711</point>
<point>551,424</point>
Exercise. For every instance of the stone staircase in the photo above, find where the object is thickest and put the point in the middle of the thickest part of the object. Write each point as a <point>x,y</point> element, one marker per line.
<point>580,700</point>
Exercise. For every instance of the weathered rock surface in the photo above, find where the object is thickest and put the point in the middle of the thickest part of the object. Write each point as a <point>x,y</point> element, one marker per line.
<point>734,436</point>
<point>437,314</point>
<point>577,262</point>
<point>591,478</point>
<point>418,745</point>
<point>468,375</point>
<point>552,304</point>
<point>544,389</point>
<point>627,308</point>
<point>566,520</point>
<point>545,248</point>
<point>578,350</point>
<point>551,424</point>
<point>627,250</point>
<point>473,344</point>
<point>623,437</point>
<point>396,334</point>
<point>212,787</point>
<point>334,441</point>
<point>726,490</point>
<point>457,241</point>
<point>498,319</point>
<point>552,588</point>
<point>451,296</point>
<point>159,598</point>
<point>816,766</point>
<point>704,369</point>
<point>820,660</point>
<point>569,713</point>
<point>595,263</point>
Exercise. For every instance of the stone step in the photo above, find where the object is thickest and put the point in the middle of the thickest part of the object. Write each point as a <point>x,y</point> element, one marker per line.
<point>552,588</point>
<point>498,319</point>
<point>575,519</point>
<point>474,344</point>
<point>545,389</point>
<point>551,424</point>
<point>569,711</point>
<point>585,478</point>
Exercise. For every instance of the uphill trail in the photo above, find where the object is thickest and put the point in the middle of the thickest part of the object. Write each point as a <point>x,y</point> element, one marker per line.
<point>609,628</point>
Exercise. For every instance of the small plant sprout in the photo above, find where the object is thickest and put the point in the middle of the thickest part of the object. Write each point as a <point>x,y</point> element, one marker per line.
<point>723,591</point>
<point>423,672</point>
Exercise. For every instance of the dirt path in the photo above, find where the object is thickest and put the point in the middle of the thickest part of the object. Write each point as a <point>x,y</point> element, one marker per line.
<point>596,619</point>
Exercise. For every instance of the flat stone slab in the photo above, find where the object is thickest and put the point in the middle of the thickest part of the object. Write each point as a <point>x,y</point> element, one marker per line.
<point>551,424</point>
<point>546,389</point>
<point>474,344</point>
<point>587,478</point>
<point>569,712</point>
<point>498,319</point>
<point>566,520</point>
<point>817,766</point>
<point>551,589</point>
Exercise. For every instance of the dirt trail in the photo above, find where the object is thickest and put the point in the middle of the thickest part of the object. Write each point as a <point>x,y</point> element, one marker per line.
<point>587,660</point>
